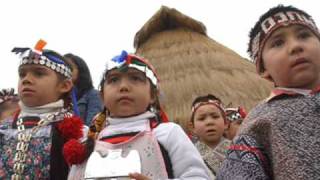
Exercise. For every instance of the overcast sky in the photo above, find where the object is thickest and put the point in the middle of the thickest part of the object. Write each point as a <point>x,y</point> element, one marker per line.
<point>97,30</point>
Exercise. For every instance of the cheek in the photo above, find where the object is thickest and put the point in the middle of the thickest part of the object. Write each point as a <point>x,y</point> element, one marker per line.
<point>198,127</point>
<point>221,123</point>
<point>106,96</point>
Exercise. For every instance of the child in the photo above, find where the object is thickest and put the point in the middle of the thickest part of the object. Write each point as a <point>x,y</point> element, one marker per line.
<point>235,117</point>
<point>208,124</point>
<point>89,100</point>
<point>280,138</point>
<point>8,103</point>
<point>137,132</point>
<point>31,142</point>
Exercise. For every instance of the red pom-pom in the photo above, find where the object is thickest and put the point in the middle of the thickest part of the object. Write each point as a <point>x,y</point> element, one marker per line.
<point>242,112</point>
<point>74,152</point>
<point>163,116</point>
<point>71,127</point>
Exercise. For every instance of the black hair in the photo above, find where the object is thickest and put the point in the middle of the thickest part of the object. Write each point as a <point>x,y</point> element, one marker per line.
<point>257,27</point>
<point>84,80</point>
<point>205,98</point>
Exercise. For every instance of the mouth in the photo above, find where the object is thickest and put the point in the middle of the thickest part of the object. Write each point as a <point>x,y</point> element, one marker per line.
<point>211,131</point>
<point>300,61</point>
<point>125,99</point>
<point>27,91</point>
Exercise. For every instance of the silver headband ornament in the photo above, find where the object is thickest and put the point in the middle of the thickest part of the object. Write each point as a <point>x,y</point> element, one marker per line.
<point>35,56</point>
<point>270,24</point>
<point>234,114</point>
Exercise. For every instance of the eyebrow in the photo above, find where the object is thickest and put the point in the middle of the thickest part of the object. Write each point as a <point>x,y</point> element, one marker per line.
<point>33,68</point>
<point>301,28</point>
<point>276,35</point>
<point>130,72</point>
<point>296,29</point>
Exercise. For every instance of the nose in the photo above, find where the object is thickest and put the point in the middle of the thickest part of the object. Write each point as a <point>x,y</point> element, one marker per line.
<point>209,121</point>
<point>124,85</point>
<point>295,46</point>
<point>27,79</point>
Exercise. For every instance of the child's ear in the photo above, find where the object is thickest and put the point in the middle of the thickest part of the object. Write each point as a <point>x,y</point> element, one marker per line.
<point>101,95</point>
<point>153,100</point>
<point>190,126</point>
<point>65,86</point>
<point>266,75</point>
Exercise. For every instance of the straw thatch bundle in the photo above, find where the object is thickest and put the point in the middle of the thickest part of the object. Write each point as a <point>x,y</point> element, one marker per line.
<point>189,64</point>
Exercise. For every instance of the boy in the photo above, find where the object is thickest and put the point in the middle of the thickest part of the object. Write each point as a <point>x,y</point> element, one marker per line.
<point>280,138</point>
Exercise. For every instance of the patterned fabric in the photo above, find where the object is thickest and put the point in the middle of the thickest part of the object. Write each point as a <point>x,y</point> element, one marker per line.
<point>213,157</point>
<point>44,154</point>
<point>38,158</point>
<point>280,140</point>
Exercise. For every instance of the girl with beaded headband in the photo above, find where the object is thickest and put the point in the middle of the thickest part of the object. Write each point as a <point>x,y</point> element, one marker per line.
<point>134,130</point>
<point>235,117</point>
<point>31,142</point>
<point>280,137</point>
<point>208,123</point>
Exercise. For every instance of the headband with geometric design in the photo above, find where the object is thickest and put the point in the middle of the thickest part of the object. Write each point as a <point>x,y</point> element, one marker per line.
<point>212,102</point>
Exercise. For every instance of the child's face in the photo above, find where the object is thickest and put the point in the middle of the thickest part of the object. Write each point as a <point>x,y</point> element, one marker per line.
<point>127,93</point>
<point>291,57</point>
<point>39,85</point>
<point>232,129</point>
<point>209,124</point>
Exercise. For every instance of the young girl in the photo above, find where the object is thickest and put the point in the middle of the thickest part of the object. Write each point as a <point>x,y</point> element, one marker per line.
<point>137,140</point>
<point>31,143</point>
<point>8,103</point>
<point>89,100</point>
<point>235,116</point>
<point>208,124</point>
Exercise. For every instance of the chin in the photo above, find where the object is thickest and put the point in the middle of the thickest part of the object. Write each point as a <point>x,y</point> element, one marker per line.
<point>306,82</point>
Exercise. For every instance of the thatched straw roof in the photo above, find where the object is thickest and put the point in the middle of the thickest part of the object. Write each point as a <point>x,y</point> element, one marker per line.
<point>189,64</point>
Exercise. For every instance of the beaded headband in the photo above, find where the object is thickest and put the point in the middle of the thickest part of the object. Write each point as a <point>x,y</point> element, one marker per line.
<point>35,56</point>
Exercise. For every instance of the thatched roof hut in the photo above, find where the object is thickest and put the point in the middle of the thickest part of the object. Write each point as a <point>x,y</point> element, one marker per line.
<point>189,63</point>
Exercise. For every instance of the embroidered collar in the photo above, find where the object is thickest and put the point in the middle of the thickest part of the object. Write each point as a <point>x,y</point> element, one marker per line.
<point>291,92</point>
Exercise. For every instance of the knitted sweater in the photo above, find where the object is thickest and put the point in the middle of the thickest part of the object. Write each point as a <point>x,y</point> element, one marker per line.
<point>279,140</point>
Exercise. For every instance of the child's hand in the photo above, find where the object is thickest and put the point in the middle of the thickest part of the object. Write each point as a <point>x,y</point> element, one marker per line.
<point>138,176</point>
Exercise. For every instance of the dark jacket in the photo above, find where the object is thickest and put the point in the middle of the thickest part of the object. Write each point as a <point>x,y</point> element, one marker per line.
<point>89,105</point>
